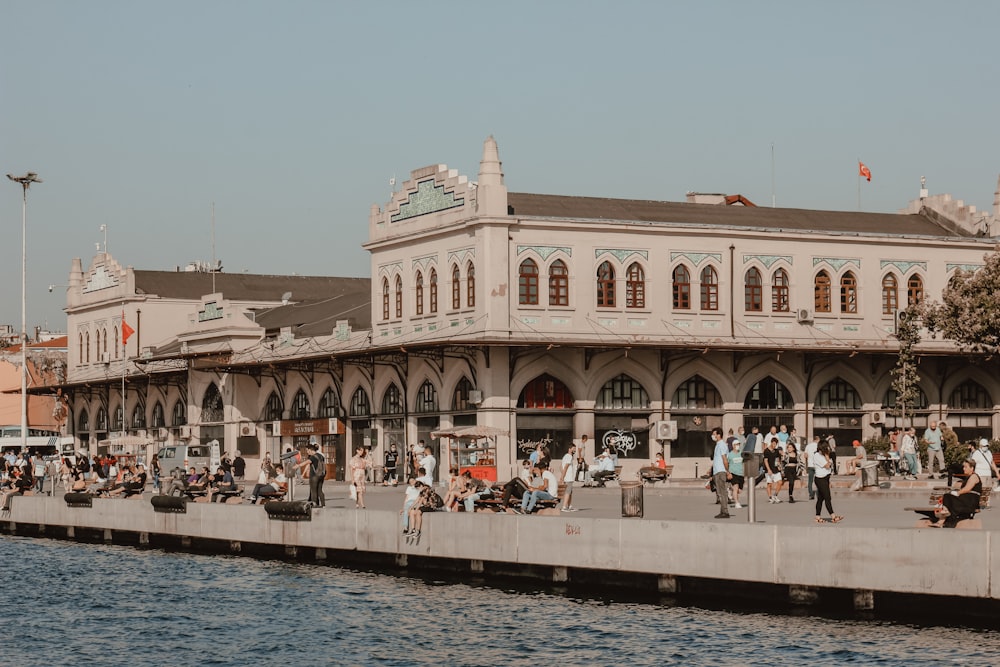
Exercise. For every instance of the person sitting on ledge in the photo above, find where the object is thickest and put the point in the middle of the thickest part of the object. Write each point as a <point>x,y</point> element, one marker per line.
<point>455,487</point>
<point>518,486</point>
<point>428,501</point>
<point>18,484</point>
<point>201,482</point>
<point>961,504</point>
<point>544,486</point>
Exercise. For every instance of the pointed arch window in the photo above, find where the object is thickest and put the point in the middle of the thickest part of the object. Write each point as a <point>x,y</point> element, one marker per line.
<point>635,286</point>
<point>138,417</point>
<point>105,337</point>
<point>419,287</point>
<point>427,399</point>
<point>915,290</point>
<point>392,401</point>
<point>385,298</point>
<point>558,284</point>
<point>838,395</point>
<point>970,395</point>
<point>83,425</point>
<point>848,293</point>
<point>81,348</point>
<point>622,393</point>
<point>697,393</point>
<point>159,420</point>
<point>399,296</point>
<point>300,406</point>
<point>433,287</point>
<point>117,346</point>
<point>606,285</point>
<point>682,287</point>
<point>768,394</point>
<point>544,392</point>
<point>709,289</point>
<point>179,416</point>
<point>753,291</point>
<point>460,399</point>
<point>822,299</point>
<point>527,283</point>
<point>274,408</point>
<point>360,407</point>
<point>211,405</point>
<point>329,405</point>
<point>456,287</point>
<point>890,294</point>
<point>779,292</point>
<point>88,347</point>
<point>102,419</point>
<point>118,419</point>
<point>892,400</point>
<point>470,285</point>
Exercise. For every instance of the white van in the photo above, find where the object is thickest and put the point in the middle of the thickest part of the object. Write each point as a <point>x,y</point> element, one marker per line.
<point>185,457</point>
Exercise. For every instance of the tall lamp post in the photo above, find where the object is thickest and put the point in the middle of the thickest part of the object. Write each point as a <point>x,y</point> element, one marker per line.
<point>25,181</point>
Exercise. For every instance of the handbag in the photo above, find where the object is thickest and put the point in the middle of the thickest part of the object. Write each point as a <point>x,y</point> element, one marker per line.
<point>354,492</point>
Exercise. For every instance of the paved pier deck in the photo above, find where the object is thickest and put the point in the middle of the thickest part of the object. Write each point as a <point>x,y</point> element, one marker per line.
<point>677,546</point>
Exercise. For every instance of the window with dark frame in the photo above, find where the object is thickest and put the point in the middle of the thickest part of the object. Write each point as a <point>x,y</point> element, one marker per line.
<point>385,298</point>
<point>753,291</point>
<point>914,290</point>
<point>558,284</point>
<point>527,283</point>
<point>709,289</point>
<point>427,400</point>
<point>360,407</point>
<point>606,285</point>
<point>456,287</point>
<point>822,301</point>
<point>779,292</point>
<point>300,406</point>
<point>419,288</point>
<point>682,287</point>
<point>399,296</point>
<point>434,291</point>
<point>848,293</point>
<point>470,285</point>
<point>635,286</point>
<point>274,408</point>
<point>890,294</point>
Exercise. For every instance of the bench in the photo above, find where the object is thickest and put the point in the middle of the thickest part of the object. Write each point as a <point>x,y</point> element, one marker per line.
<point>654,474</point>
<point>273,495</point>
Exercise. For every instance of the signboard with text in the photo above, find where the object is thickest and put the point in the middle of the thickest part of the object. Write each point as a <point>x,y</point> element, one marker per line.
<point>294,427</point>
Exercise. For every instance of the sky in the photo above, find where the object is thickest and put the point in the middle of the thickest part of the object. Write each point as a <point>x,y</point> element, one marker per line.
<point>291,117</point>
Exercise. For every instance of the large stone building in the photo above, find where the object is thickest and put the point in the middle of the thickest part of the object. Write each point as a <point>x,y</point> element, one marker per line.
<point>542,317</point>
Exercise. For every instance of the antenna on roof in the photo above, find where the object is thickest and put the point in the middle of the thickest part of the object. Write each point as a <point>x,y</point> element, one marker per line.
<point>285,297</point>
<point>213,248</point>
<point>772,175</point>
<point>392,186</point>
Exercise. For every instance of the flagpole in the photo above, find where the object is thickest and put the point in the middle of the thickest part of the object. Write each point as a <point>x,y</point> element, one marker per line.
<point>124,363</point>
<point>859,184</point>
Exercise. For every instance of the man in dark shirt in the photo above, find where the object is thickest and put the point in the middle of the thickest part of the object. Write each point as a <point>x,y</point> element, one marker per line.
<point>772,470</point>
<point>239,466</point>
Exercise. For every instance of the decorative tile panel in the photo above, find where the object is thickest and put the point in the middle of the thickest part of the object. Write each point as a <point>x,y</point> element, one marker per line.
<point>422,262</point>
<point>767,260</point>
<point>530,320</point>
<point>543,251</point>
<point>852,327</point>
<point>212,311</point>
<point>755,325</point>
<point>461,255</point>
<point>428,198</point>
<point>621,254</point>
<point>560,321</point>
<point>389,269</point>
<point>710,324</point>
<point>100,278</point>
<point>682,324</point>
<point>607,322</point>
<point>902,266</point>
<point>837,263</point>
<point>969,268</point>
<point>636,323</point>
<point>695,258</point>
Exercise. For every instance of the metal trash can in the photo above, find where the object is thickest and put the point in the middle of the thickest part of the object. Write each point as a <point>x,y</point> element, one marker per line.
<point>869,474</point>
<point>631,499</point>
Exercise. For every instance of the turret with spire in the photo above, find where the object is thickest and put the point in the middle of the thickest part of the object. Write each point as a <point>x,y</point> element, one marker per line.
<point>491,193</point>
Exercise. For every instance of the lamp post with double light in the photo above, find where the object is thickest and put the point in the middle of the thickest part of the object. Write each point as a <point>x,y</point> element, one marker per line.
<point>25,182</point>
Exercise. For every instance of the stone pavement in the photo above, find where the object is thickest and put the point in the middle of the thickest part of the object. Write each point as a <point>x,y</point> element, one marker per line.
<point>687,500</point>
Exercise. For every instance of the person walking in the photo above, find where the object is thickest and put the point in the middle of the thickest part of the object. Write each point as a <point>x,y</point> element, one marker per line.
<point>154,467</point>
<point>935,453</point>
<point>824,467</point>
<point>791,468</point>
<point>720,473</point>
<point>358,466</point>
<point>568,476</point>
<point>317,474</point>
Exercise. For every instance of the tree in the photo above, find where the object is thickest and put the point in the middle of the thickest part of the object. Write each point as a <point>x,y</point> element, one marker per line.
<point>969,312</point>
<point>905,381</point>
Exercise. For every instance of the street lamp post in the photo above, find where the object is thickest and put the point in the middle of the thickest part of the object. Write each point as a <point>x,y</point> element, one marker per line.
<point>25,182</point>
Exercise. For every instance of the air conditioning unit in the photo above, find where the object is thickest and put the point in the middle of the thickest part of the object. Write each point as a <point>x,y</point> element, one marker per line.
<point>877,417</point>
<point>475,397</point>
<point>105,358</point>
<point>804,315</point>
<point>247,429</point>
<point>665,430</point>
<point>163,433</point>
<point>187,431</point>
<point>276,427</point>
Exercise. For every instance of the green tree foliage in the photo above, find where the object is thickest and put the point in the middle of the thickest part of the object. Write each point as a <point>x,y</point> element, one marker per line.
<point>969,312</point>
<point>905,380</point>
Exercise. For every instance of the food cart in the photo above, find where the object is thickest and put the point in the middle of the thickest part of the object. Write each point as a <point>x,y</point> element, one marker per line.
<point>473,448</point>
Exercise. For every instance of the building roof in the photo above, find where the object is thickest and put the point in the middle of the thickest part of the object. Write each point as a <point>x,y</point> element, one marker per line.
<point>349,299</point>
<point>240,286</point>
<point>792,219</point>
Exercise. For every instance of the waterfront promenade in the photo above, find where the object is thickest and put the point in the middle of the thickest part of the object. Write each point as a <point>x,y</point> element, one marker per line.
<point>874,558</point>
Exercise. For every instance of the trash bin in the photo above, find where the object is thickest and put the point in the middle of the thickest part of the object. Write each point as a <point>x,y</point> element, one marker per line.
<point>631,499</point>
<point>869,474</point>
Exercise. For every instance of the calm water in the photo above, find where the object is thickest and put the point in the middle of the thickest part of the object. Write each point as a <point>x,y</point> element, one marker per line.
<point>70,603</point>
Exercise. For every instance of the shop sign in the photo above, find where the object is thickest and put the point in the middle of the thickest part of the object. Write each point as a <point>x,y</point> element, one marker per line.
<point>293,427</point>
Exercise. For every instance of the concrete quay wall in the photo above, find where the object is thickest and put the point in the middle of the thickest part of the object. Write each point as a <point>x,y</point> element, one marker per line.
<point>861,560</point>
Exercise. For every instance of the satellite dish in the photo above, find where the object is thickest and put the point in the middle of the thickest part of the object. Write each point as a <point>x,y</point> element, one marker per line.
<point>285,297</point>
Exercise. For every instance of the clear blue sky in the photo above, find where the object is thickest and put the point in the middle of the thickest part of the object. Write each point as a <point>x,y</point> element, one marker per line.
<point>292,116</point>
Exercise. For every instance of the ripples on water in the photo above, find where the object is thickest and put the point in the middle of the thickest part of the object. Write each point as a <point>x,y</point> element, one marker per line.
<point>90,605</point>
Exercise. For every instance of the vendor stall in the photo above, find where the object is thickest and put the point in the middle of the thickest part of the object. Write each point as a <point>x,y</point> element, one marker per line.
<point>473,448</point>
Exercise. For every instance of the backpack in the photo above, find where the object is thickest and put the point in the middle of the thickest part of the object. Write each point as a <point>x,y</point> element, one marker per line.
<point>436,501</point>
<point>319,467</point>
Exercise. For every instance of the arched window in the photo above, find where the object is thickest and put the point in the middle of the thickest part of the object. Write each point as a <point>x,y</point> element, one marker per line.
<point>543,392</point>
<point>88,347</point>
<point>329,405</point>
<point>117,347</point>
<point>970,395</point>
<point>81,348</point>
<point>606,285</point>
<point>682,288</point>
<point>470,285</point>
<point>823,298</point>
<point>399,296</point>
<point>360,407</point>
<point>892,399</point>
<point>159,421</point>
<point>392,401</point>
<point>622,393</point>
<point>768,394</point>
<point>300,406</point>
<point>696,394</point>
<point>179,416</point>
<point>274,408</point>
<point>779,292</point>
<point>848,293</point>
<point>890,294</point>
<point>102,420</point>
<point>211,405</point>
<point>138,417</point>
<point>754,291</point>
<point>427,398</point>
<point>460,399</point>
<point>385,298</point>
<point>419,280</point>
<point>838,395</point>
<point>635,286</point>
<point>709,289</point>
<point>118,420</point>
<point>83,425</point>
<point>558,284</point>
<point>105,343</point>
<point>527,283</point>
<point>434,291</point>
<point>914,290</point>
<point>456,287</point>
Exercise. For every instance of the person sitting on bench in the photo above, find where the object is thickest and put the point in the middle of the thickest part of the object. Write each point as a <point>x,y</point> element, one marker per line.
<point>604,467</point>
<point>518,486</point>
<point>961,504</point>
<point>274,485</point>
<point>222,485</point>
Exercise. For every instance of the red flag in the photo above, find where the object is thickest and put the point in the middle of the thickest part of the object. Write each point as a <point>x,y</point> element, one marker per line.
<point>126,330</point>
<point>864,171</point>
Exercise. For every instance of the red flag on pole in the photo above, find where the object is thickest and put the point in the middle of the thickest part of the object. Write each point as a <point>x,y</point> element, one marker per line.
<point>864,171</point>
<point>126,330</point>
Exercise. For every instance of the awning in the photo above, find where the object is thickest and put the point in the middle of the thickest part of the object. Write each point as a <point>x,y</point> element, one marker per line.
<point>470,433</point>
